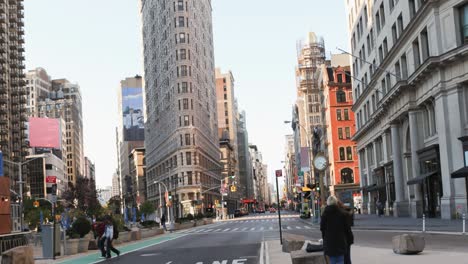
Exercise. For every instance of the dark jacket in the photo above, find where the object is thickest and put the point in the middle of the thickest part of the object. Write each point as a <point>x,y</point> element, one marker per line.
<point>336,231</point>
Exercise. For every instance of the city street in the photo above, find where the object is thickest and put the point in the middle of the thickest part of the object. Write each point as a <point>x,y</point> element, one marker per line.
<point>239,241</point>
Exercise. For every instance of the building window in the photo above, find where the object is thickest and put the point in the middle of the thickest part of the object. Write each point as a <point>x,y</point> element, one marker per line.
<point>348,132</point>
<point>464,21</point>
<point>187,139</point>
<point>342,153</point>
<point>181,37</point>
<point>340,78</point>
<point>338,114</point>
<point>186,120</point>
<point>183,54</point>
<point>340,133</point>
<point>180,5</point>
<point>349,153</point>
<point>347,176</point>
<point>346,114</point>
<point>181,21</point>
<point>425,45</point>
<point>188,158</point>
<point>412,7</point>
<point>340,96</point>
<point>404,67</point>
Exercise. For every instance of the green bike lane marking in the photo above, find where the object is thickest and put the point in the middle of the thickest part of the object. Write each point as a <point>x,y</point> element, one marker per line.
<point>96,257</point>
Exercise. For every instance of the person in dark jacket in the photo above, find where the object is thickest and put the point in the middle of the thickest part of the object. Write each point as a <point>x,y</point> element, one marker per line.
<point>336,231</point>
<point>349,237</point>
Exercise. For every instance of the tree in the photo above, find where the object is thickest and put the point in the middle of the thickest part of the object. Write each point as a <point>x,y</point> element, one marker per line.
<point>147,208</point>
<point>85,194</point>
<point>114,204</point>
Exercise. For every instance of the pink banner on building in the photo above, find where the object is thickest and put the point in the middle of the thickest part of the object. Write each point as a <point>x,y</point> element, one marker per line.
<point>304,159</point>
<point>44,132</point>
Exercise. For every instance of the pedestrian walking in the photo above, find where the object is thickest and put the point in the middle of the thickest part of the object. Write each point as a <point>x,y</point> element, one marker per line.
<point>111,233</point>
<point>163,221</point>
<point>336,232</point>
<point>380,208</point>
<point>100,229</point>
<point>350,237</point>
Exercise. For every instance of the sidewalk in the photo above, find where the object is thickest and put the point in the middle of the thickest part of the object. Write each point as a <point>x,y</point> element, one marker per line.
<point>93,256</point>
<point>373,222</point>
<point>369,255</point>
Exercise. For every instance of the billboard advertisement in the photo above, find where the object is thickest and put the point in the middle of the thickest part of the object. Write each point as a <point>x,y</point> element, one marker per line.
<point>132,114</point>
<point>44,132</point>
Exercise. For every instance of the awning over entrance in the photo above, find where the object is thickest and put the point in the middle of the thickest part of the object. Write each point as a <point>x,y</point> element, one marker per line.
<point>421,178</point>
<point>461,173</point>
<point>376,187</point>
<point>373,187</point>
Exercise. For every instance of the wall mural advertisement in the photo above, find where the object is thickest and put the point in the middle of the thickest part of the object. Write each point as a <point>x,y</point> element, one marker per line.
<point>132,111</point>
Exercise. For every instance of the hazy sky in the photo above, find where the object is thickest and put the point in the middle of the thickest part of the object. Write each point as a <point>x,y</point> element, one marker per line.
<point>96,43</point>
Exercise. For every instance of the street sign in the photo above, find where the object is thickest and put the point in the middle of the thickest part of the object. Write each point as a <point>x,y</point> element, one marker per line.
<point>300,173</point>
<point>233,188</point>
<point>279,173</point>
<point>51,179</point>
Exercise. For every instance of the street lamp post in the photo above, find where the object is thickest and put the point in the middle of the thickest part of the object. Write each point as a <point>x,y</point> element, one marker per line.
<point>309,150</point>
<point>20,165</point>
<point>160,199</point>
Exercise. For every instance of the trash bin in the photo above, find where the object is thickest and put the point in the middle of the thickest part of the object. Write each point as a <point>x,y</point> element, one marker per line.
<point>47,240</point>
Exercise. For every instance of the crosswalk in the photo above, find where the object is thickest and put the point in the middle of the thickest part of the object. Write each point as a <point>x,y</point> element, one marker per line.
<point>245,229</point>
<point>263,220</point>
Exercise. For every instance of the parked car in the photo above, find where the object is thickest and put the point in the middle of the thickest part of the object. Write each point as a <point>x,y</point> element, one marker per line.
<point>237,213</point>
<point>272,210</point>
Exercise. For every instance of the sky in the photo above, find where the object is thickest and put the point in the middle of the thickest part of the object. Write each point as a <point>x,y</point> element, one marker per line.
<point>96,43</point>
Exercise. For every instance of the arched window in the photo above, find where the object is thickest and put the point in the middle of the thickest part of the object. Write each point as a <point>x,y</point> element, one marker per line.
<point>347,176</point>
<point>342,153</point>
<point>349,153</point>
<point>340,96</point>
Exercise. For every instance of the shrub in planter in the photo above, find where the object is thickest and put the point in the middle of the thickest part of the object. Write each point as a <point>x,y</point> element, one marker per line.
<point>81,226</point>
<point>209,215</point>
<point>149,224</point>
<point>190,217</point>
<point>199,216</point>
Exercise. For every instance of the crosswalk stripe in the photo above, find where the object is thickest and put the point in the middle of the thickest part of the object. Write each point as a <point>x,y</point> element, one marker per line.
<point>298,227</point>
<point>288,228</point>
<point>227,229</point>
<point>271,228</point>
<point>235,229</point>
<point>261,228</point>
<point>217,230</point>
<point>306,227</point>
<point>200,230</point>
<point>208,230</point>
<point>252,229</point>
<point>245,228</point>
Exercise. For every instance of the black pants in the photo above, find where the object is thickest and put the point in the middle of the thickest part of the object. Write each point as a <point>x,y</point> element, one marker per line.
<point>102,246</point>
<point>110,247</point>
<point>347,256</point>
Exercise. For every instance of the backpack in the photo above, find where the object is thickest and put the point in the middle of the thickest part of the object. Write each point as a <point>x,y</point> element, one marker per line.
<point>100,228</point>
<point>116,233</point>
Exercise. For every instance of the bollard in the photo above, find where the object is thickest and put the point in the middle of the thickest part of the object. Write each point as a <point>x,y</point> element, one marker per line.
<point>424,223</point>
<point>464,220</point>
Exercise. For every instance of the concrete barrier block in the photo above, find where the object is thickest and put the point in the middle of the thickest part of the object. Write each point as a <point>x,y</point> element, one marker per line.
<point>23,254</point>
<point>408,244</point>
<point>303,257</point>
<point>292,242</point>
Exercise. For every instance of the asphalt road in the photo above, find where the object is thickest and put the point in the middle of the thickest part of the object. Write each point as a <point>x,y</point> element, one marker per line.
<point>239,241</point>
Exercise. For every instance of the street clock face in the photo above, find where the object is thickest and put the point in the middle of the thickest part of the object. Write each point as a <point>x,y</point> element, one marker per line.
<point>320,162</point>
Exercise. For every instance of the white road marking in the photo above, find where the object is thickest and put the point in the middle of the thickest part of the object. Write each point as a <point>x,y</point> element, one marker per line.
<point>289,228</point>
<point>261,228</point>
<point>217,230</point>
<point>227,229</point>
<point>235,229</point>
<point>208,230</point>
<point>298,227</point>
<point>200,230</point>
<point>245,228</point>
<point>252,229</point>
<point>271,228</point>
<point>306,227</point>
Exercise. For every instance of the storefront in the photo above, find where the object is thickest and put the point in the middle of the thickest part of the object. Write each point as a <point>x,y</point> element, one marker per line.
<point>463,172</point>
<point>429,180</point>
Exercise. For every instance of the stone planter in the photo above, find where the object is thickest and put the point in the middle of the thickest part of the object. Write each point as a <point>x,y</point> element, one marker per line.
<point>185,225</point>
<point>124,237</point>
<point>199,222</point>
<point>71,247</point>
<point>135,234</point>
<point>208,221</point>
<point>83,244</point>
<point>148,232</point>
